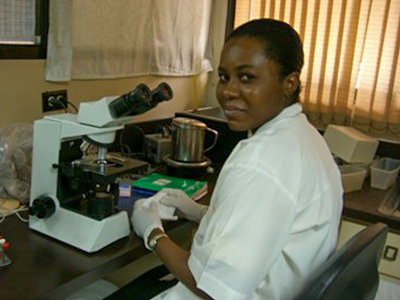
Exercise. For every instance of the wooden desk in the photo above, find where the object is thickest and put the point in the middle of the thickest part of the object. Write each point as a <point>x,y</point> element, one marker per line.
<point>44,268</point>
<point>363,206</point>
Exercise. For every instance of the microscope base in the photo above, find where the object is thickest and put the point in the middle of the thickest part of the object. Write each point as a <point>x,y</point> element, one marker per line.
<point>81,231</point>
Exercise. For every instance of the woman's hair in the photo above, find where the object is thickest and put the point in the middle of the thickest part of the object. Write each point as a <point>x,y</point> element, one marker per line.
<point>282,44</point>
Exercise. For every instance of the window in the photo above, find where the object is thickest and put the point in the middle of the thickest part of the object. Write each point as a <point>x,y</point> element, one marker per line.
<point>351,74</point>
<point>23,28</point>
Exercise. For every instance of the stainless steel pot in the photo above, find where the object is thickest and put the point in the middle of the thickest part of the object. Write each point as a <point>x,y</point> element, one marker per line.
<point>188,140</point>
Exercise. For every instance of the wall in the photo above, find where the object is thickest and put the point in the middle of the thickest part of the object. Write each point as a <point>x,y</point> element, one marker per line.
<point>22,83</point>
<point>218,25</point>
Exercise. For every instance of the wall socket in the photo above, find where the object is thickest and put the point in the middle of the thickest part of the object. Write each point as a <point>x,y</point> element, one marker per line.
<point>54,100</point>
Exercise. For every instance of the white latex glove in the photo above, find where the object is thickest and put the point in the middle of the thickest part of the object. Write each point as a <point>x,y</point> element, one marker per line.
<point>186,207</point>
<point>165,212</point>
<point>144,221</point>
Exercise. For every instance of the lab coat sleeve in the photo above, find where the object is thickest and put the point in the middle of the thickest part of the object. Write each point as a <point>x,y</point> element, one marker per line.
<point>243,234</point>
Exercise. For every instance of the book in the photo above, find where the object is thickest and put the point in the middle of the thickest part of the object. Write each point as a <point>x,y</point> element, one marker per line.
<point>155,182</point>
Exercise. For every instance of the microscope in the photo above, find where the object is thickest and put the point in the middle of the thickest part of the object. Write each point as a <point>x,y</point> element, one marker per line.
<point>74,190</point>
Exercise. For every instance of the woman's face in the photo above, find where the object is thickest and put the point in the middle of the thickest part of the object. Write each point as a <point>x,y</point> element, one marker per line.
<point>250,90</point>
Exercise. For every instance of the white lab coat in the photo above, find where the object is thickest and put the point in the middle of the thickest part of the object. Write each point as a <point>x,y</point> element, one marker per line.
<point>273,217</point>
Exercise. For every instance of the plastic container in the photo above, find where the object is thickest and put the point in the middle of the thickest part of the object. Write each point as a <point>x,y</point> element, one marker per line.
<point>350,144</point>
<point>384,172</point>
<point>352,177</point>
<point>366,166</point>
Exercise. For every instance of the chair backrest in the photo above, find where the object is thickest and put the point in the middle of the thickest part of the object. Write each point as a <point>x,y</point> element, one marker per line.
<point>351,273</point>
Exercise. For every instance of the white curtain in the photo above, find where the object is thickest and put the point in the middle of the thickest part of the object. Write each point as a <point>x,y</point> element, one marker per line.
<point>98,39</point>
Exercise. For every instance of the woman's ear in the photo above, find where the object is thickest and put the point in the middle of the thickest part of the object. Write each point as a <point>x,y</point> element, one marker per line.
<point>292,82</point>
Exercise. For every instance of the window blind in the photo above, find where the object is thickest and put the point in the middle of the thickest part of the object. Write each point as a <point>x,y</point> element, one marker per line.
<point>351,72</point>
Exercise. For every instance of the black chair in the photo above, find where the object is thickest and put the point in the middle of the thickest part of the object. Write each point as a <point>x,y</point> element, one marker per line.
<point>351,273</point>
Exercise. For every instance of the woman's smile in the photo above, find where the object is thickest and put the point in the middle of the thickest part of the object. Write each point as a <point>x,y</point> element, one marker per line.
<point>250,89</point>
<point>232,112</point>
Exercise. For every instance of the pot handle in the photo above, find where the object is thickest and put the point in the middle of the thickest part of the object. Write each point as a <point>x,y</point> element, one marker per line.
<point>215,138</point>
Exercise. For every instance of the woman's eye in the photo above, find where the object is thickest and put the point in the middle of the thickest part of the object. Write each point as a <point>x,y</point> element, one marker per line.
<point>246,78</point>
<point>223,78</point>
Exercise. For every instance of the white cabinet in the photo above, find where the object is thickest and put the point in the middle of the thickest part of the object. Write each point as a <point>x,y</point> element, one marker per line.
<point>390,262</point>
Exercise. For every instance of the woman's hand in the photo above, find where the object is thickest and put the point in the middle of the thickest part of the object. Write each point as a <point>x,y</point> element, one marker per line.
<point>145,220</point>
<point>186,207</point>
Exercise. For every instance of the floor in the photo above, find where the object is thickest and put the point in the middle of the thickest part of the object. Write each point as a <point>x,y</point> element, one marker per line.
<point>110,284</point>
<point>388,290</point>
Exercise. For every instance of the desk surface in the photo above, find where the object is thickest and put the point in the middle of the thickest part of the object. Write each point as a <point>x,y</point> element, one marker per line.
<point>44,268</point>
<point>363,206</point>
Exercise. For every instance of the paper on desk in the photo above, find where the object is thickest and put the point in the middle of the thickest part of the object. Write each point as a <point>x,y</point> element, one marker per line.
<point>165,212</point>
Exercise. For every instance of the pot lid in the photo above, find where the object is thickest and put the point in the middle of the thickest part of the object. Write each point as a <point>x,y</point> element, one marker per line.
<point>188,123</point>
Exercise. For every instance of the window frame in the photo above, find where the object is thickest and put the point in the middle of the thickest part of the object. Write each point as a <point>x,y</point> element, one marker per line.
<point>230,20</point>
<point>41,29</point>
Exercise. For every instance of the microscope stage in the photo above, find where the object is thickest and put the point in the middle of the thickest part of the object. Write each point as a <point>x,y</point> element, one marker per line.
<point>114,165</point>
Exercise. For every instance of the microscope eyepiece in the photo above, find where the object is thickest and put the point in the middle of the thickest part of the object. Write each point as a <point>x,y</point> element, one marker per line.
<point>128,104</point>
<point>161,93</point>
<point>140,100</point>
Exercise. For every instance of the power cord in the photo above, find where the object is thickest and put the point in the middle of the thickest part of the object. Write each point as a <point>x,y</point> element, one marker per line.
<point>66,105</point>
<point>10,212</point>
<point>60,100</point>
<point>71,104</point>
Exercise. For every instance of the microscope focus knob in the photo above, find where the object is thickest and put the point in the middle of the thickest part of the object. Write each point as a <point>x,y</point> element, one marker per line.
<point>42,207</point>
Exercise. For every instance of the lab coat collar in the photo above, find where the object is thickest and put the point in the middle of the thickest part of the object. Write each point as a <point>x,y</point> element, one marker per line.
<point>287,112</point>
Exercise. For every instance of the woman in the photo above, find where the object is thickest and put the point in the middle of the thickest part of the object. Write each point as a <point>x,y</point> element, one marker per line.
<point>274,214</point>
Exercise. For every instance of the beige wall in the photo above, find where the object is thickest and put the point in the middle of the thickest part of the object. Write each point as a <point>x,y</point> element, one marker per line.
<point>218,25</point>
<point>22,83</point>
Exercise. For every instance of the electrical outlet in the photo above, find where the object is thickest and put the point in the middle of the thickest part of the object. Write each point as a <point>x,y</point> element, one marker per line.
<point>54,100</point>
